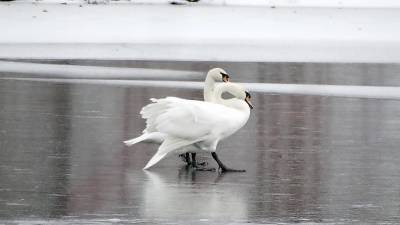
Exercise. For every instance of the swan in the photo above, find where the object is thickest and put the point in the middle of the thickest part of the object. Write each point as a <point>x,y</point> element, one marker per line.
<point>197,125</point>
<point>213,76</point>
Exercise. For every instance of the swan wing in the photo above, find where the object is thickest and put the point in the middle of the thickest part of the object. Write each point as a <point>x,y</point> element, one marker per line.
<point>169,145</point>
<point>180,118</point>
<point>185,122</point>
<point>155,159</point>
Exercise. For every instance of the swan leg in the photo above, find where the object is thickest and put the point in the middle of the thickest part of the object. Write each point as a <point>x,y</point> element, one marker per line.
<point>222,166</point>
<point>203,164</point>
<point>195,163</point>
<point>186,158</point>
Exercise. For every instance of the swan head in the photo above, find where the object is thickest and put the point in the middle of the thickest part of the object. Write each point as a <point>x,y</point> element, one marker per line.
<point>218,74</point>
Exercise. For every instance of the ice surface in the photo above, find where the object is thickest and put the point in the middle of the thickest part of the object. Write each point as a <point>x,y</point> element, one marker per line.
<point>309,159</point>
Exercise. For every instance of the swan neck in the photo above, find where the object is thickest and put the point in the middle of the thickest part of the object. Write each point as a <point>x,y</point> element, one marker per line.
<point>232,103</point>
<point>209,89</point>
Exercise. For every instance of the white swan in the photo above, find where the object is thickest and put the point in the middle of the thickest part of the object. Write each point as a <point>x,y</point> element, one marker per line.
<point>191,123</point>
<point>213,76</point>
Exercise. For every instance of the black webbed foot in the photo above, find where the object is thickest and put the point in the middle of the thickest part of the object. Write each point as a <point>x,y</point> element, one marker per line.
<point>224,170</point>
<point>204,169</point>
<point>222,167</point>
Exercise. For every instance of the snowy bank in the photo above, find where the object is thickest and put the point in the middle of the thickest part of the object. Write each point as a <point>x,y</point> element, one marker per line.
<point>266,3</point>
<point>175,79</point>
<point>347,91</point>
<point>203,32</point>
<point>42,70</point>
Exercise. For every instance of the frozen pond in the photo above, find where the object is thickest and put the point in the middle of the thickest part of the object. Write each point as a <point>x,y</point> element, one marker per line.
<point>309,159</point>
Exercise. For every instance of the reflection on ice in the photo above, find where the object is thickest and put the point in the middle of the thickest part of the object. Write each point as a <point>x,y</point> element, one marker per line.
<point>196,194</point>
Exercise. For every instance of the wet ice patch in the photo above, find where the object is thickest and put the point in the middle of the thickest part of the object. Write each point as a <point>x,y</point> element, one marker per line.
<point>114,220</point>
<point>365,206</point>
<point>16,204</point>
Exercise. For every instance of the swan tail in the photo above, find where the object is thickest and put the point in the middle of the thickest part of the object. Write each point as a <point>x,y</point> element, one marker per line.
<point>143,137</point>
<point>169,145</point>
<point>151,111</point>
<point>155,137</point>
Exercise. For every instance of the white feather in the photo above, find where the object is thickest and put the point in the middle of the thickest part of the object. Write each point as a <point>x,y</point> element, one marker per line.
<point>146,137</point>
<point>155,159</point>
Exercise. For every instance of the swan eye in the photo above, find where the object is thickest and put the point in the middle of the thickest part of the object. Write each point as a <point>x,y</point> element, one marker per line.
<point>225,77</point>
